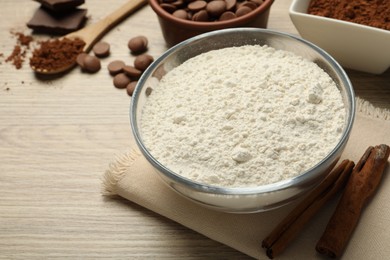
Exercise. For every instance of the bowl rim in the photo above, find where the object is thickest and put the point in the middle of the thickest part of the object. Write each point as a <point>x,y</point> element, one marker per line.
<point>272,187</point>
<point>161,13</point>
<point>294,12</point>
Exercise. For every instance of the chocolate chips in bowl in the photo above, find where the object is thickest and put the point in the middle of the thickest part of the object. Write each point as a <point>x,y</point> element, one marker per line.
<point>180,20</point>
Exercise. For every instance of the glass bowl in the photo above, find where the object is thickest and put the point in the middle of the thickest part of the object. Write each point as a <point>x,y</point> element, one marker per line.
<point>253,199</point>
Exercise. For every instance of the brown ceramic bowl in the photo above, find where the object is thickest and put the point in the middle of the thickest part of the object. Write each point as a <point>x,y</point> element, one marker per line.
<point>176,30</point>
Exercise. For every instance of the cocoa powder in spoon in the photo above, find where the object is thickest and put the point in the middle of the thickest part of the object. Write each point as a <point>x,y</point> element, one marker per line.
<point>53,55</point>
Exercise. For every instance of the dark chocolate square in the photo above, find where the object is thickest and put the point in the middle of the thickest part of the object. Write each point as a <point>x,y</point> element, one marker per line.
<point>60,5</point>
<point>44,21</point>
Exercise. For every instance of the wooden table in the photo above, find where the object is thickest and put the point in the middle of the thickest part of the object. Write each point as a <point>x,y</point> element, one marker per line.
<point>57,137</point>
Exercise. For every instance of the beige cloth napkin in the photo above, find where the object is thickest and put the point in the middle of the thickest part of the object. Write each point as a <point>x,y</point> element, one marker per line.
<point>133,178</point>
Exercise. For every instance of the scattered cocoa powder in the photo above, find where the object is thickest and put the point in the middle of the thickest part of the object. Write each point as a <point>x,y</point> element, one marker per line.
<point>19,52</point>
<point>375,13</point>
<point>24,40</point>
<point>56,54</point>
<point>16,57</point>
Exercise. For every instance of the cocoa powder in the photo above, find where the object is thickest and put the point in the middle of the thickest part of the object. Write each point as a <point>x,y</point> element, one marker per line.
<point>16,57</point>
<point>375,13</point>
<point>56,54</point>
<point>19,52</point>
<point>24,40</point>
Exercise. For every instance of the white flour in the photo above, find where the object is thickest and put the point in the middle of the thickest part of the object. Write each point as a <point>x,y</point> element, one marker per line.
<point>243,116</point>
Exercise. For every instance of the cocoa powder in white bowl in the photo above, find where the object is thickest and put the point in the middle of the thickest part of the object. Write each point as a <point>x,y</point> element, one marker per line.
<point>354,46</point>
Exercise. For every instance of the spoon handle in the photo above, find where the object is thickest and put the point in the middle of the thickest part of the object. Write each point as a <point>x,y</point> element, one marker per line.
<point>92,33</point>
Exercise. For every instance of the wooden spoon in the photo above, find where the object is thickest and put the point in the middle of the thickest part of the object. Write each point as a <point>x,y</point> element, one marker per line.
<point>92,33</point>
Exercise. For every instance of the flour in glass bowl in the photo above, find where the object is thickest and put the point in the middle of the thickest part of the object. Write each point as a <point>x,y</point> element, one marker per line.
<point>243,117</point>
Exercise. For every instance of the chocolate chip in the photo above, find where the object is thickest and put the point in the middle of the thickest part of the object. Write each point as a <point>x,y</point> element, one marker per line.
<point>178,3</point>
<point>121,80</point>
<point>132,72</point>
<point>243,10</point>
<point>182,14</point>
<point>170,8</point>
<point>216,8</point>
<point>249,4</point>
<point>197,5</point>
<point>201,16</point>
<point>130,87</point>
<point>138,44</point>
<point>91,64</point>
<point>227,16</point>
<point>80,59</point>
<point>257,2</point>
<point>101,49</point>
<point>230,4</point>
<point>143,61</point>
<point>115,67</point>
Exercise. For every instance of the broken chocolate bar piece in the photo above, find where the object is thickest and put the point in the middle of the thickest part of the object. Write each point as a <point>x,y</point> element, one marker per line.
<point>44,21</point>
<point>60,5</point>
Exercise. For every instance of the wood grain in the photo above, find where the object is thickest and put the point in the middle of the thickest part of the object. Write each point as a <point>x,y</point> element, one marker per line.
<point>57,137</point>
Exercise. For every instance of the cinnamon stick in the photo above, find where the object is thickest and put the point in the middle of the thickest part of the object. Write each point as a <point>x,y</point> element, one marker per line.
<point>294,222</point>
<point>361,186</point>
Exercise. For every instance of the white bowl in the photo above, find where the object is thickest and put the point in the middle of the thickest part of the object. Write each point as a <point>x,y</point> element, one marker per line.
<point>354,46</point>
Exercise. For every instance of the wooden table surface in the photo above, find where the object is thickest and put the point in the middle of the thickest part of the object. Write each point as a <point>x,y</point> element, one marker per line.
<point>58,136</point>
